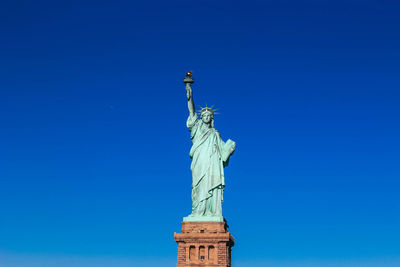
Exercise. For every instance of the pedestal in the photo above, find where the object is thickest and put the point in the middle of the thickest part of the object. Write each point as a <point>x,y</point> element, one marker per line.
<point>204,244</point>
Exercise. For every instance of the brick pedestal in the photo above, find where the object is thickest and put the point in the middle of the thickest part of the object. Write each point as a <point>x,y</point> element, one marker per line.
<point>204,244</point>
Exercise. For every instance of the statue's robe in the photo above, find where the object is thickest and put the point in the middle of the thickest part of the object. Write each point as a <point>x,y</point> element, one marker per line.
<point>209,157</point>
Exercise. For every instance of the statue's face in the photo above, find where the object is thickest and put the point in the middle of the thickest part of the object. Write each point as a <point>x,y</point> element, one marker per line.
<point>206,118</point>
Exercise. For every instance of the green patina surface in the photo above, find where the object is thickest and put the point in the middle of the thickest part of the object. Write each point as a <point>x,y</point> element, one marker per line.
<point>209,157</point>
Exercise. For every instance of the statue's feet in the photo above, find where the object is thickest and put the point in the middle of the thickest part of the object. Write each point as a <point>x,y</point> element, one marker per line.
<point>197,218</point>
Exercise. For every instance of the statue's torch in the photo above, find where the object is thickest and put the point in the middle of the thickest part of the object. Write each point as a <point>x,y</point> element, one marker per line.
<point>188,79</point>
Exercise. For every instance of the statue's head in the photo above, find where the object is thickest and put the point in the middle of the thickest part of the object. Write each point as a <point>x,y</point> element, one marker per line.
<point>207,116</point>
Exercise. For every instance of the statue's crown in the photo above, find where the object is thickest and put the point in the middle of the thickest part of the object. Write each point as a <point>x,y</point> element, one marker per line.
<point>203,110</point>
<point>207,109</point>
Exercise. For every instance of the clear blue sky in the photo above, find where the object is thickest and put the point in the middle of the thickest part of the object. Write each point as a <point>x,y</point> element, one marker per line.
<point>94,165</point>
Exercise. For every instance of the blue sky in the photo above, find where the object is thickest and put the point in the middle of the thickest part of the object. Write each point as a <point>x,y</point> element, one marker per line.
<point>94,165</point>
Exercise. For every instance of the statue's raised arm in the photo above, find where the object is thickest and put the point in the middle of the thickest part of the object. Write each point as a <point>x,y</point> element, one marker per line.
<point>188,81</point>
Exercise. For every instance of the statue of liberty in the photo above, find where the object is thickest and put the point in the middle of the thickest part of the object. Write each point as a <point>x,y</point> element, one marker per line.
<point>209,156</point>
